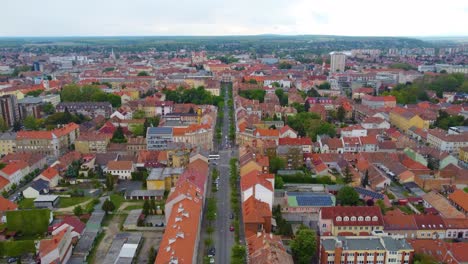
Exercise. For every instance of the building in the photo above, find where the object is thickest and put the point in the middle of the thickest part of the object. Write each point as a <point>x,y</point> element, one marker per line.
<point>260,186</point>
<point>58,249</point>
<point>92,109</point>
<point>256,216</point>
<point>9,109</point>
<point>46,201</point>
<point>404,119</point>
<point>459,199</point>
<point>434,200</point>
<point>5,206</point>
<point>365,249</point>
<point>55,142</point>
<point>442,141</point>
<point>37,188</point>
<point>264,248</point>
<point>14,172</point>
<point>375,102</point>
<point>462,152</point>
<point>51,175</point>
<point>30,106</point>
<point>121,168</point>
<point>398,223</point>
<point>7,143</point>
<point>163,178</point>
<point>337,62</point>
<point>347,220</point>
<point>91,142</point>
<point>441,251</point>
<point>430,226</point>
<point>158,138</point>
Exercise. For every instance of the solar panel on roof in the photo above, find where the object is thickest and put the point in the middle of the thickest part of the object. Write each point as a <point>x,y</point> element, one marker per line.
<point>314,200</point>
<point>369,193</point>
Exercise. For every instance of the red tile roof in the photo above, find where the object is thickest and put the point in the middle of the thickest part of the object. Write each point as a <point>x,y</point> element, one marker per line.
<point>356,211</point>
<point>7,205</point>
<point>295,141</point>
<point>460,198</point>
<point>50,173</point>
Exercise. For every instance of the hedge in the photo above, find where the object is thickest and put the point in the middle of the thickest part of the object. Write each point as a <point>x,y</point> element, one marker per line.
<point>28,222</point>
<point>16,248</point>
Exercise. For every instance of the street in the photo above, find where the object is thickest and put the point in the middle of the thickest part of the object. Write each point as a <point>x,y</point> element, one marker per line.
<point>223,238</point>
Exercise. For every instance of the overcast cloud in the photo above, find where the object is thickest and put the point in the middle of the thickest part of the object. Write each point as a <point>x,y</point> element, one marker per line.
<point>236,17</point>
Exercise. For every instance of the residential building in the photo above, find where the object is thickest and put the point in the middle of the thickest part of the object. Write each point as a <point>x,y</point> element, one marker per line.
<point>442,205</point>
<point>430,226</point>
<point>5,206</point>
<point>462,153</point>
<point>355,220</point>
<point>163,178</point>
<point>92,142</point>
<point>7,143</point>
<point>14,172</point>
<point>55,142</point>
<point>365,249</point>
<point>256,216</point>
<point>404,119</point>
<point>121,168</point>
<point>398,223</point>
<point>442,141</point>
<point>9,109</point>
<point>260,186</point>
<point>441,251</point>
<point>37,188</point>
<point>58,249</point>
<point>30,106</point>
<point>457,228</point>
<point>264,248</point>
<point>337,62</point>
<point>459,199</point>
<point>51,175</point>
<point>92,109</point>
<point>375,102</point>
<point>158,138</point>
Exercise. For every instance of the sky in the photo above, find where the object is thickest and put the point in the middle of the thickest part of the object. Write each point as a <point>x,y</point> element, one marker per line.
<point>234,17</point>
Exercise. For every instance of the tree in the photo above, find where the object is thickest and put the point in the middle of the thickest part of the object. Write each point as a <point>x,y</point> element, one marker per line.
<point>324,86</point>
<point>348,177</point>
<point>283,98</point>
<point>347,196</point>
<point>279,183</point>
<point>365,180</point>
<point>143,73</point>
<point>341,113</point>
<point>78,210</point>
<point>48,108</point>
<point>238,254</point>
<point>139,114</point>
<point>138,130</point>
<point>306,106</point>
<point>276,163</point>
<point>146,208</point>
<point>3,125</point>
<point>284,66</point>
<point>304,245</point>
<point>118,136</point>
<point>108,206</point>
<point>109,182</point>
<point>153,206</point>
<point>31,123</point>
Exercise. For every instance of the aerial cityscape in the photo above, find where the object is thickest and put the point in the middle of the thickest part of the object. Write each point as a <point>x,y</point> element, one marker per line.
<point>266,132</point>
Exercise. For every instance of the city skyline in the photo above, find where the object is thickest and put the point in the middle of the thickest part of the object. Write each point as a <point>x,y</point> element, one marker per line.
<point>215,18</point>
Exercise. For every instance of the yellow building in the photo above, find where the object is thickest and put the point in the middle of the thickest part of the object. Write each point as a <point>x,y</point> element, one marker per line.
<point>463,154</point>
<point>178,158</point>
<point>92,143</point>
<point>347,220</point>
<point>7,143</point>
<point>404,119</point>
<point>163,178</point>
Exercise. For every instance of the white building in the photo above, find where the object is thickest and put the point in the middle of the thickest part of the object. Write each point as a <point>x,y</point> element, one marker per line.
<point>56,250</point>
<point>121,168</point>
<point>337,62</point>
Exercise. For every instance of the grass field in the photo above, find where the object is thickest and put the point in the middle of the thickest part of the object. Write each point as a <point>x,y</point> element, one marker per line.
<point>26,203</point>
<point>72,201</point>
<point>134,206</point>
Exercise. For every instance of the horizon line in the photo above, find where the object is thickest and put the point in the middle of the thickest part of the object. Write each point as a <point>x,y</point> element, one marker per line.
<point>243,35</point>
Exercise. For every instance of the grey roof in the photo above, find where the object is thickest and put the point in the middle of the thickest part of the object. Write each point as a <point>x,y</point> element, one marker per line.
<point>40,185</point>
<point>30,100</point>
<point>366,243</point>
<point>46,198</point>
<point>145,193</point>
<point>132,218</point>
<point>8,136</point>
<point>162,173</point>
<point>159,130</point>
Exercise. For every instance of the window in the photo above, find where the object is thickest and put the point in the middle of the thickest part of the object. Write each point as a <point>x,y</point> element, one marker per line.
<point>375,218</point>
<point>367,218</point>
<point>324,225</point>
<point>351,255</point>
<point>353,218</point>
<point>346,218</point>
<point>360,218</point>
<point>331,254</point>
<point>339,228</point>
<point>338,218</point>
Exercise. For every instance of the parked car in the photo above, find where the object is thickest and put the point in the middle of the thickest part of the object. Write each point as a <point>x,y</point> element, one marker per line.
<point>231,216</point>
<point>231,228</point>
<point>211,252</point>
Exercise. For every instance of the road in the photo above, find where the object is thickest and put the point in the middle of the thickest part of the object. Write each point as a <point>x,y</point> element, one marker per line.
<point>223,238</point>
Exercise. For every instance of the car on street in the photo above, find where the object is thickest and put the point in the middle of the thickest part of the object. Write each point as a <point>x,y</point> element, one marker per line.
<point>231,228</point>
<point>12,260</point>
<point>231,216</point>
<point>211,252</point>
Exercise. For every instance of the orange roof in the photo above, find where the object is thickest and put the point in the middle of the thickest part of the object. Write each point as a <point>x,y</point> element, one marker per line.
<point>7,205</point>
<point>266,132</point>
<point>13,167</point>
<point>460,198</point>
<point>179,241</point>
<point>254,177</point>
<point>3,182</point>
<point>255,211</point>
<point>119,165</point>
<point>50,173</point>
<point>442,251</point>
<point>48,245</point>
<point>58,132</point>
<point>267,249</point>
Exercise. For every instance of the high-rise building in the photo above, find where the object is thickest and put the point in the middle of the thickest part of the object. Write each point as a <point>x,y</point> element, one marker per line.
<point>337,61</point>
<point>9,110</point>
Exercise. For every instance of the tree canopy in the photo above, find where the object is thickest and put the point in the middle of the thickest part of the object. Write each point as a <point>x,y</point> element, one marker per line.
<point>309,124</point>
<point>347,196</point>
<point>283,97</point>
<point>88,93</point>
<point>198,96</point>
<point>304,245</point>
<point>253,94</point>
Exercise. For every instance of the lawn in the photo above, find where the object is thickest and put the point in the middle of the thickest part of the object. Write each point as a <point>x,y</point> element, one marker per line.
<point>117,200</point>
<point>72,201</point>
<point>26,203</point>
<point>134,206</point>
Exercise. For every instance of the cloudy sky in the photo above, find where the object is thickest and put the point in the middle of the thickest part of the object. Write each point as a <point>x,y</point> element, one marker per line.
<point>233,17</point>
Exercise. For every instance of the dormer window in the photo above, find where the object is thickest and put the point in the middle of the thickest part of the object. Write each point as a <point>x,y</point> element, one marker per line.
<point>375,218</point>
<point>353,218</point>
<point>338,218</point>
<point>360,218</point>
<point>346,218</point>
<point>367,218</point>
